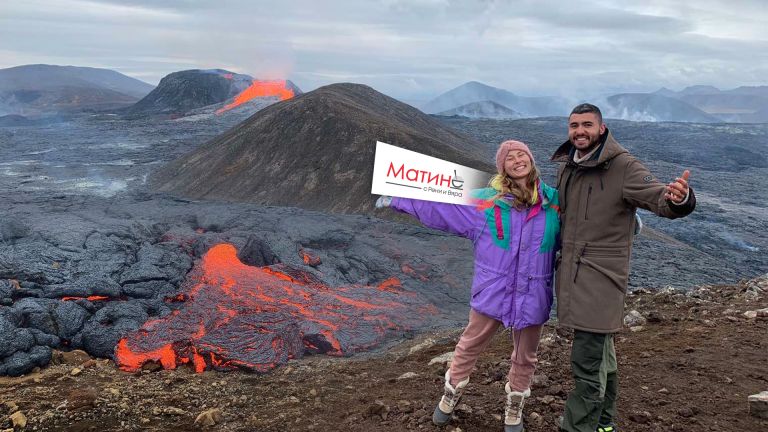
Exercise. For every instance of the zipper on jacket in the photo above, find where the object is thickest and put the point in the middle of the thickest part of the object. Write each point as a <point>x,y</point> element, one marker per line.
<point>564,203</point>
<point>499,222</point>
<point>514,293</point>
<point>589,195</point>
<point>578,261</point>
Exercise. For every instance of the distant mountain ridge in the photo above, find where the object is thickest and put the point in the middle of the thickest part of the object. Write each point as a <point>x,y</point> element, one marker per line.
<point>745,104</point>
<point>474,91</point>
<point>43,89</point>
<point>698,103</point>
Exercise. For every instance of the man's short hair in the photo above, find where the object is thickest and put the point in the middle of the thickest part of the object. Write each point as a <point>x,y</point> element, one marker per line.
<point>587,108</point>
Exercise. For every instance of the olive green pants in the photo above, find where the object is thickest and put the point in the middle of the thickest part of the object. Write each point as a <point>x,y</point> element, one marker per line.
<point>593,399</point>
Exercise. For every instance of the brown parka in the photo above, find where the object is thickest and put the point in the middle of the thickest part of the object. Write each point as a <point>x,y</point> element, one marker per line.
<point>598,199</point>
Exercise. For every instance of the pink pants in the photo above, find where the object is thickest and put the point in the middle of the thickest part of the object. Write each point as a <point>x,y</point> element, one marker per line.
<point>475,339</point>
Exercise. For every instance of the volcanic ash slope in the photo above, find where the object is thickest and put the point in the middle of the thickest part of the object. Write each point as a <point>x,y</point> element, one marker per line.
<point>314,151</point>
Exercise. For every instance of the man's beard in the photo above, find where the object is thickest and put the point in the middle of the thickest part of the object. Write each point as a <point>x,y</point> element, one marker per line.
<point>594,141</point>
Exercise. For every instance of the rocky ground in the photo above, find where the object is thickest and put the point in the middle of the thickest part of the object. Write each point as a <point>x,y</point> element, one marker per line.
<point>687,362</point>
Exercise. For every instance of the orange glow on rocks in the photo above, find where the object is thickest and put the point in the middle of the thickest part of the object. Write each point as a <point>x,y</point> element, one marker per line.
<point>165,355</point>
<point>419,271</point>
<point>91,298</point>
<point>255,318</point>
<point>392,284</point>
<point>257,89</point>
<point>309,258</point>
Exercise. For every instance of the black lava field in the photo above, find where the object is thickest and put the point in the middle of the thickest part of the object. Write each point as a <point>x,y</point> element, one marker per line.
<point>91,259</point>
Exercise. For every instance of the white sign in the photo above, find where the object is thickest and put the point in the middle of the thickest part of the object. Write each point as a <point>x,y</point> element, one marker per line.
<point>408,174</point>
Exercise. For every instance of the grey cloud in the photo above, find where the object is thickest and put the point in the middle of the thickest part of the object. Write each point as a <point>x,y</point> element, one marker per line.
<point>406,48</point>
<point>582,16</point>
<point>176,5</point>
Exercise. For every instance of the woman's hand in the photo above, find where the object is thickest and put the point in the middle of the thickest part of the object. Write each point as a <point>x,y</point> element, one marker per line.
<point>383,201</point>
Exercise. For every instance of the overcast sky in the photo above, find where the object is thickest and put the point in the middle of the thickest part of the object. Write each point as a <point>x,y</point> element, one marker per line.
<point>410,49</point>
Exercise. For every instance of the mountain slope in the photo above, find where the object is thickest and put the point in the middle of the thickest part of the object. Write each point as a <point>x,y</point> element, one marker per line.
<point>40,89</point>
<point>742,104</point>
<point>314,151</point>
<point>483,109</point>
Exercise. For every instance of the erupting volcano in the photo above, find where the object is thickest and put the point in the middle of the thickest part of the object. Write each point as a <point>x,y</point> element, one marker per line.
<point>260,89</point>
<point>187,92</point>
<point>256,318</point>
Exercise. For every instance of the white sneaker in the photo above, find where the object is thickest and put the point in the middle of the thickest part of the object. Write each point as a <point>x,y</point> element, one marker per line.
<point>513,409</point>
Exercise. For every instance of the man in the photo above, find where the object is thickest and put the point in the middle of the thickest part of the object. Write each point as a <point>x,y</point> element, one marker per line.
<point>600,186</point>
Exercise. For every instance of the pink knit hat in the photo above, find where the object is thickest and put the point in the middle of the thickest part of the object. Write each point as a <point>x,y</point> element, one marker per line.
<point>505,148</point>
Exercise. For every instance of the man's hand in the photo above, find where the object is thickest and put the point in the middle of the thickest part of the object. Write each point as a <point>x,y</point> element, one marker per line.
<point>678,189</point>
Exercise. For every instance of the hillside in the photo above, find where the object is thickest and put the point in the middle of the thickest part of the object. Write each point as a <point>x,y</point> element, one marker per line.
<point>45,89</point>
<point>483,109</point>
<point>653,107</point>
<point>314,151</point>
<point>182,92</point>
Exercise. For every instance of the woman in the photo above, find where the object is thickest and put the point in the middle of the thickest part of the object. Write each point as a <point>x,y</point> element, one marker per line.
<point>515,230</point>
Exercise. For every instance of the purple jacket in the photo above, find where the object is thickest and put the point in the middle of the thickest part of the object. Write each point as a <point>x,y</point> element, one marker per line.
<point>511,285</point>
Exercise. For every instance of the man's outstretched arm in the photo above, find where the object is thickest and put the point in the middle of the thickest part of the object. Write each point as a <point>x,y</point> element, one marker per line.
<point>641,189</point>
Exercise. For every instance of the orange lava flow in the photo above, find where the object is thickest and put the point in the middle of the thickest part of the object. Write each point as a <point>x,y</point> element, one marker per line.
<point>165,355</point>
<point>240,316</point>
<point>257,89</point>
<point>391,284</point>
<point>91,298</point>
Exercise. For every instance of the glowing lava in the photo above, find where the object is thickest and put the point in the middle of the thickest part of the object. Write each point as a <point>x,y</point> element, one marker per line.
<point>238,316</point>
<point>260,89</point>
<point>91,298</point>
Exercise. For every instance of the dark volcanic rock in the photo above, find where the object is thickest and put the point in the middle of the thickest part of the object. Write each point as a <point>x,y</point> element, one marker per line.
<point>69,318</point>
<point>257,253</point>
<point>101,334</point>
<point>6,292</point>
<point>11,230</point>
<point>123,264</point>
<point>22,362</point>
<point>19,350</point>
<point>314,151</point>
<point>15,120</point>
<point>183,91</point>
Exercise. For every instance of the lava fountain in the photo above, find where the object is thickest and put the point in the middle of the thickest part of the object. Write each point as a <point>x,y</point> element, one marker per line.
<point>259,88</point>
<point>255,318</point>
